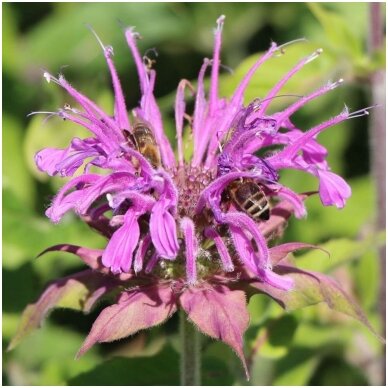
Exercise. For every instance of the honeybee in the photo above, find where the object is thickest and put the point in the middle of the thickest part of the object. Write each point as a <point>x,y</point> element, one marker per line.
<point>144,142</point>
<point>249,197</point>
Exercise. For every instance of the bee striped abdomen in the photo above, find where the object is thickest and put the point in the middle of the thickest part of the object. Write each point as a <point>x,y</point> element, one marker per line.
<point>251,199</point>
<point>257,206</point>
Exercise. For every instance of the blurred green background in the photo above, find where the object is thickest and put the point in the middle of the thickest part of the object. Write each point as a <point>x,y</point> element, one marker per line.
<point>313,346</point>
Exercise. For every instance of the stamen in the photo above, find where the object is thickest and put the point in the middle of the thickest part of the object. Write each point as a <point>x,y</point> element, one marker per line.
<point>282,46</point>
<point>336,84</point>
<point>314,55</point>
<point>220,22</point>
<point>287,77</point>
<point>47,76</point>
<point>50,114</point>
<point>304,100</point>
<point>362,112</point>
<point>90,28</point>
<point>259,101</point>
<point>50,78</point>
<point>109,198</point>
<point>108,50</point>
<point>227,68</point>
<point>42,112</point>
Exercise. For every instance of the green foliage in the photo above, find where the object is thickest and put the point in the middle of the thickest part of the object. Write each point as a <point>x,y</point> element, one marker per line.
<point>26,234</point>
<point>16,177</point>
<point>47,358</point>
<point>154,370</point>
<point>312,346</point>
<point>338,32</point>
<point>313,74</point>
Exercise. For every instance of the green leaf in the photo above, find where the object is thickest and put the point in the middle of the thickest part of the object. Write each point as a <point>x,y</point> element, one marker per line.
<point>313,74</point>
<point>279,334</point>
<point>15,297</point>
<point>328,222</point>
<point>341,251</point>
<point>25,235</point>
<point>258,308</point>
<point>337,30</point>
<point>47,358</point>
<point>336,371</point>
<point>161,369</point>
<point>315,334</point>
<point>10,322</point>
<point>16,177</point>
<point>297,367</point>
<point>262,371</point>
<point>216,372</point>
<point>219,350</point>
<point>10,59</point>
<point>54,44</point>
<point>311,288</point>
<point>366,272</point>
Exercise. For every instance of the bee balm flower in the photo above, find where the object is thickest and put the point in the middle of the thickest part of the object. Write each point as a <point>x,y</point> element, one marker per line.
<point>187,233</point>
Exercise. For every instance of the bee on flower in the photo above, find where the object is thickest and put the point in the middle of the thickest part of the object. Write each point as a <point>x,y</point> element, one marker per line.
<point>188,234</point>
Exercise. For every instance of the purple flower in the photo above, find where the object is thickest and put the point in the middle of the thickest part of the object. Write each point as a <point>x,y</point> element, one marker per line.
<point>177,196</point>
<point>189,229</point>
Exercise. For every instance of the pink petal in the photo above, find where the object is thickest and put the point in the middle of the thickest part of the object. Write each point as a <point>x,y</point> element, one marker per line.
<point>333,190</point>
<point>163,231</point>
<point>118,254</point>
<point>48,158</point>
<point>180,107</point>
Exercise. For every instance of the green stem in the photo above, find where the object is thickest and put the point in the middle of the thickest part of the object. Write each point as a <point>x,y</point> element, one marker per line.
<point>190,352</point>
<point>378,153</point>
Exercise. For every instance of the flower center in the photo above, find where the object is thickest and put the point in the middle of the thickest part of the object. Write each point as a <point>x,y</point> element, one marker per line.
<point>190,181</point>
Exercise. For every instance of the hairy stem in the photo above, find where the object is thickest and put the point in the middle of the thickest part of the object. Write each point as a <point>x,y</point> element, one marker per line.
<point>190,352</point>
<point>377,144</point>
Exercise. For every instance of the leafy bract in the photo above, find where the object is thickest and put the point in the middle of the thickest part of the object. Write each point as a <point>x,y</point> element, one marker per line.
<point>220,313</point>
<point>91,257</point>
<point>79,292</point>
<point>279,252</point>
<point>311,288</point>
<point>138,309</point>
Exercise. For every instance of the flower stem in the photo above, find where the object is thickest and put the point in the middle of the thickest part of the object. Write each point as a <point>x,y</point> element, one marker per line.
<point>190,352</point>
<point>377,144</point>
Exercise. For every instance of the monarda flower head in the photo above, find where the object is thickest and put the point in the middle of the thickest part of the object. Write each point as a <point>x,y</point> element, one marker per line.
<point>191,234</point>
